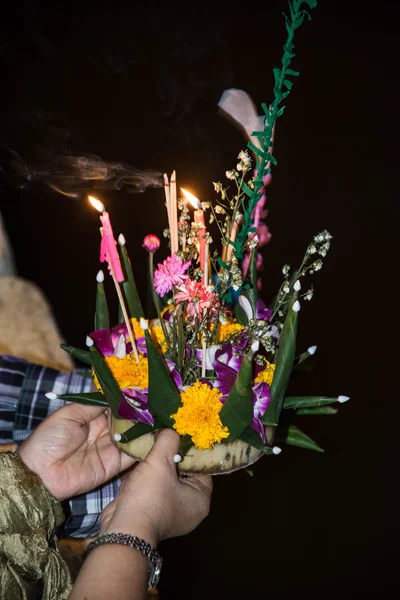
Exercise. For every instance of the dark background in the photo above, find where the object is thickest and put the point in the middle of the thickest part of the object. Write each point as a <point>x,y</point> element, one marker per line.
<point>139,83</point>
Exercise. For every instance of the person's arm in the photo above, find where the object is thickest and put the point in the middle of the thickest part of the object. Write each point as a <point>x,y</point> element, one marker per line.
<point>153,504</point>
<point>29,559</point>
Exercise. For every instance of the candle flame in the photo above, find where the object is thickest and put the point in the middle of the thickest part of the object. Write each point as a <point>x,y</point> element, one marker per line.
<point>195,202</point>
<point>97,204</point>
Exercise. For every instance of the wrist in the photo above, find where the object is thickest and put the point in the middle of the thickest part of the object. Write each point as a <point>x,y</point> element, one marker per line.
<point>141,527</point>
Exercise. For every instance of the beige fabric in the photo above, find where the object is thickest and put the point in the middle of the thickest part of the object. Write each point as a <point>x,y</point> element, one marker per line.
<point>27,326</point>
<point>30,563</point>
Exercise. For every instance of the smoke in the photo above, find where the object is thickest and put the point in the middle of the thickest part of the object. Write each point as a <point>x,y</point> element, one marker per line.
<point>74,176</point>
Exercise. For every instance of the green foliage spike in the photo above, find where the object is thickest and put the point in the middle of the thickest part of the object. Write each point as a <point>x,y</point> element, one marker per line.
<point>164,398</point>
<point>322,410</point>
<point>237,412</point>
<point>82,355</point>
<point>110,387</point>
<point>129,289</point>
<point>185,444</point>
<point>249,436</point>
<point>282,88</point>
<point>136,431</point>
<point>90,399</point>
<point>295,437</point>
<point>284,364</point>
<point>101,318</point>
<point>307,401</point>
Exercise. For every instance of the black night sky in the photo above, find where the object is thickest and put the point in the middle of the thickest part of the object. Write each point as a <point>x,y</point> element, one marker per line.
<point>137,84</point>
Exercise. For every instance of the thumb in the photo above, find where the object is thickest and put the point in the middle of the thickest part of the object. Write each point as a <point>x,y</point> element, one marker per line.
<point>166,444</point>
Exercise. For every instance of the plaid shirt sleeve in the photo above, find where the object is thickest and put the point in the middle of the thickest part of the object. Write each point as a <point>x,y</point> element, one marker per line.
<point>23,406</point>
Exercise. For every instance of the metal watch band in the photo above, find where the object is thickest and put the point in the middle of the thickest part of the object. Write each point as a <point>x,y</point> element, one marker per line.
<point>152,555</point>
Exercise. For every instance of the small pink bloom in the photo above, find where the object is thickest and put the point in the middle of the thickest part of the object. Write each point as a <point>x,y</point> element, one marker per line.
<point>170,273</point>
<point>151,242</point>
<point>198,298</point>
<point>263,234</point>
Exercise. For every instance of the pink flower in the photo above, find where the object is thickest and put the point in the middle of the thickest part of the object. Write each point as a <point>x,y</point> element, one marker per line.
<point>198,298</point>
<point>151,242</point>
<point>263,234</point>
<point>170,273</point>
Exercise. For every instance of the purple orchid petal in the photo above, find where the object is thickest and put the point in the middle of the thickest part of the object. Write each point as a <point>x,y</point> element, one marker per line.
<point>262,312</point>
<point>140,345</point>
<point>227,355</point>
<point>261,397</point>
<point>226,366</point>
<point>258,428</point>
<point>175,374</point>
<point>126,411</point>
<point>103,341</point>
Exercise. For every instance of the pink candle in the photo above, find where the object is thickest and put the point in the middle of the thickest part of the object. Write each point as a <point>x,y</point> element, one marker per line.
<point>199,220</point>
<point>108,246</point>
<point>202,231</point>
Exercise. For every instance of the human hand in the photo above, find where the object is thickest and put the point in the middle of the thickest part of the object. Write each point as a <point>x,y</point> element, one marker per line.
<point>154,503</point>
<point>72,451</point>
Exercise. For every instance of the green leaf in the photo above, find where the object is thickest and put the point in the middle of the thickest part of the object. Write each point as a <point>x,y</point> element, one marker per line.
<point>164,397</point>
<point>311,3</point>
<point>90,399</point>
<point>256,150</point>
<point>129,288</point>
<point>307,401</point>
<point>284,364</point>
<point>288,83</point>
<point>300,359</point>
<point>295,437</point>
<point>322,410</point>
<point>249,436</point>
<point>223,264</point>
<point>82,355</point>
<point>101,318</point>
<point>185,444</point>
<point>237,412</point>
<point>107,382</point>
<point>136,431</point>
<point>291,72</point>
<point>248,191</point>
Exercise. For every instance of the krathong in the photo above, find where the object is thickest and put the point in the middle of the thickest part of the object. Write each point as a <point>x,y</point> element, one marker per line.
<point>216,362</point>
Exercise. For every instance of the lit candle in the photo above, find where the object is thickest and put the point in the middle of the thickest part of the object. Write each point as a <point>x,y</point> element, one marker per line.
<point>108,247</point>
<point>201,228</point>
<point>108,252</point>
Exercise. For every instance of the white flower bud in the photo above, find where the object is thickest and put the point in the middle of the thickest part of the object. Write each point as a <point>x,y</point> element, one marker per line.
<point>343,399</point>
<point>312,350</point>
<point>121,239</point>
<point>297,286</point>
<point>177,458</point>
<point>100,277</point>
<point>296,306</point>
<point>143,324</point>
<point>51,396</point>
<point>117,437</point>
<point>276,450</point>
<point>255,346</point>
<point>89,341</point>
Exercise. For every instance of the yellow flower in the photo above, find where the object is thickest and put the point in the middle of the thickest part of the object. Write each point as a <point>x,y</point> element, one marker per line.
<point>267,374</point>
<point>157,334</point>
<point>127,372</point>
<point>136,329</point>
<point>199,416</point>
<point>229,328</point>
